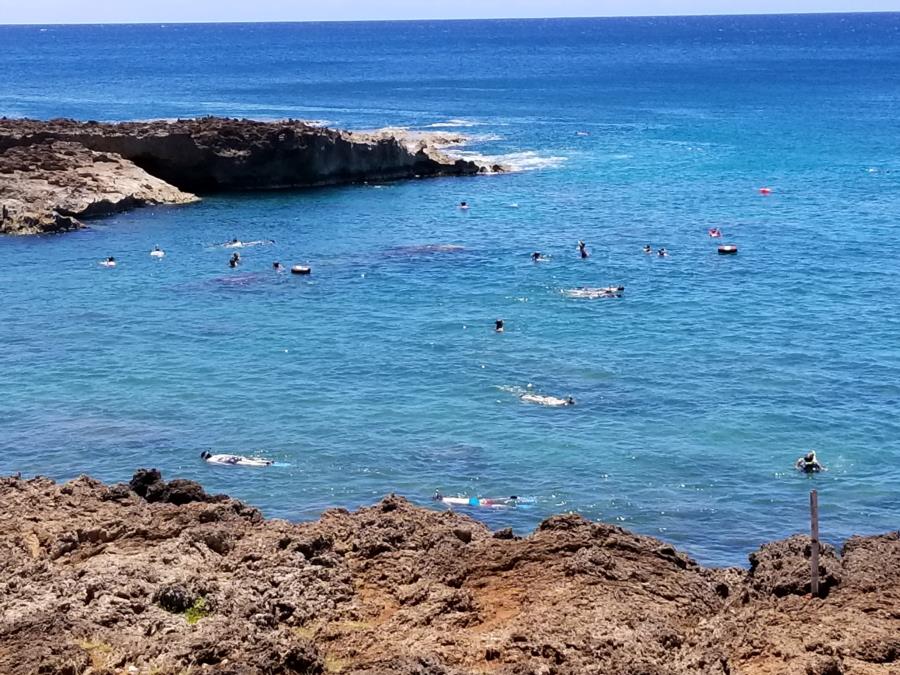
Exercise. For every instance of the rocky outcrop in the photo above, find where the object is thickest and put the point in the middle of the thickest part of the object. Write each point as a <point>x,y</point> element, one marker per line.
<point>195,156</point>
<point>52,185</point>
<point>160,577</point>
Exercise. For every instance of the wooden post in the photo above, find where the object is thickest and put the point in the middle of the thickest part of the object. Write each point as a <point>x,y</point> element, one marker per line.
<point>814,548</point>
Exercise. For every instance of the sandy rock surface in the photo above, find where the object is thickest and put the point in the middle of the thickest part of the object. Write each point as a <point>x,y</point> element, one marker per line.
<point>51,186</point>
<point>160,577</point>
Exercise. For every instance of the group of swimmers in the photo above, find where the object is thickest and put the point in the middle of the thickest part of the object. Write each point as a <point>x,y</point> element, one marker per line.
<point>662,252</point>
<point>233,262</point>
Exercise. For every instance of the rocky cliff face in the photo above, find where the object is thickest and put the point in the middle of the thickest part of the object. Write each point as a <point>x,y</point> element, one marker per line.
<point>49,186</point>
<point>160,577</point>
<point>199,155</point>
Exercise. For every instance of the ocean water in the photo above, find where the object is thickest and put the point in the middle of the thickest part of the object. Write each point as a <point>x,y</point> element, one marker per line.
<point>381,372</point>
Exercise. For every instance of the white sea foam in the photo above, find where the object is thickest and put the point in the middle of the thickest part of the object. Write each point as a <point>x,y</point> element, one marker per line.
<point>452,124</point>
<point>527,160</point>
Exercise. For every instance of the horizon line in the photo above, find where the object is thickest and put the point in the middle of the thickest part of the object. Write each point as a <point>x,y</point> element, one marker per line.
<point>493,18</point>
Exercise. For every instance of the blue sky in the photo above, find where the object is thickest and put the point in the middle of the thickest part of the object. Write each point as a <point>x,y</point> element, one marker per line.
<point>171,11</point>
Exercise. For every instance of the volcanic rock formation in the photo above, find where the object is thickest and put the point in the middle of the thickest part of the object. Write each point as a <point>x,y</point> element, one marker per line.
<point>49,176</point>
<point>160,577</point>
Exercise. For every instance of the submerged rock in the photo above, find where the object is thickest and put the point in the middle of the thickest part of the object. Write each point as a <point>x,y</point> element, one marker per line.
<point>133,579</point>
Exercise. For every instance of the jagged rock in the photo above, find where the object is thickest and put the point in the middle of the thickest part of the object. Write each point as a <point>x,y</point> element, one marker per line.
<point>783,567</point>
<point>90,583</point>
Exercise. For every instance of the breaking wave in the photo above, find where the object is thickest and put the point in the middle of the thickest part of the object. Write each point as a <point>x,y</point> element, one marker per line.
<point>452,124</point>
<point>527,160</point>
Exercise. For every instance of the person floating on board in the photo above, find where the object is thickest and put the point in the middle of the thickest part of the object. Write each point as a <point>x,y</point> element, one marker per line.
<point>491,503</point>
<point>234,460</point>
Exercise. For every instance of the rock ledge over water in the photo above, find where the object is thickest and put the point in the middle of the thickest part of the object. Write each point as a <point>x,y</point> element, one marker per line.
<point>52,174</point>
<point>161,577</point>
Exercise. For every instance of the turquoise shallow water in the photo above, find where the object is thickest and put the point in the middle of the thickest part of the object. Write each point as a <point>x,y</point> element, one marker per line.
<point>381,372</point>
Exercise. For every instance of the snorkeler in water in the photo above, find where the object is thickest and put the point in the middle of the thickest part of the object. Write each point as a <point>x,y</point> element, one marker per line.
<point>809,463</point>
<point>582,249</point>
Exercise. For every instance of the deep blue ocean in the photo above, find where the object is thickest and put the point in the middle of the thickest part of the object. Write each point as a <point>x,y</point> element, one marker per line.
<point>380,373</point>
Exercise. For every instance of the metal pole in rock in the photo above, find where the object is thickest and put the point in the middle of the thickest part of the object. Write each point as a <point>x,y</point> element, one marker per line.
<point>814,546</point>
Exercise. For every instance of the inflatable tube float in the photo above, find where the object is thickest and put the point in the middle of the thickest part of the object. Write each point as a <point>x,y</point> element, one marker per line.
<point>158,254</point>
<point>235,460</point>
<point>109,262</point>
<point>728,249</point>
<point>300,269</point>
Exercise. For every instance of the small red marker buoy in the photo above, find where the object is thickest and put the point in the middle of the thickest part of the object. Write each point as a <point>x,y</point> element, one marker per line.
<point>765,191</point>
<point>728,249</point>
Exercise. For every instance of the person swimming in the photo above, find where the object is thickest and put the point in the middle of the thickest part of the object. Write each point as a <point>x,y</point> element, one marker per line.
<point>463,205</point>
<point>648,249</point>
<point>278,267</point>
<point>109,262</point>
<point>234,460</point>
<point>662,253</point>
<point>537,256</point>
<point>582,249</point>
<point>157,252</point>
<point>809,463</point>
<point>551,401</point>
<point>493,503</point>
<point>235,260</point>
<point>498,326</point>
<point>237,243</point>
<point>715,232</point>
<point>585,292</point>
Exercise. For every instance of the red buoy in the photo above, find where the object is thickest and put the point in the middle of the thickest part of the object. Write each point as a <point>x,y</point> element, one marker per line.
<point>765,191</point>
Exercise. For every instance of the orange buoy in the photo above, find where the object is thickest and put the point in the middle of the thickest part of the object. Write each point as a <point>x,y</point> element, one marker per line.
<point>300,269</point>
<point>728,249</point>
<point>765,191</point>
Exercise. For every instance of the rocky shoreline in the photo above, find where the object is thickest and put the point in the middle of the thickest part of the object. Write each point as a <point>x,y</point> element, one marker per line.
<point>160,577</point>
<point>55,174</point>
